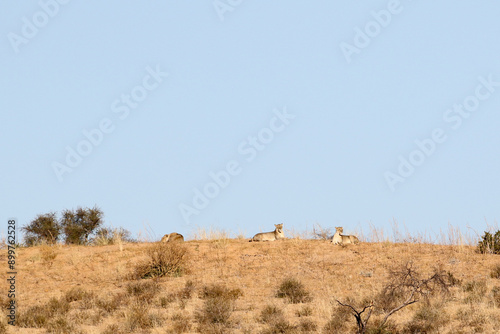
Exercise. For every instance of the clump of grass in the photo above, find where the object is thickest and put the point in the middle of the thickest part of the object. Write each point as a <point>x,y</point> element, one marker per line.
<point>495,293</point>
<point>304,312</point>
<point>476,290</point>
<point>270,314</point>
<point>307,326</point>
<point>294,291</point>
<point>427,319</point>
<point>472,317</point>
<point>60,325</point>
<point>48,254</point>
<point>217,308</point>
<point>39,316</point>
<point>113,329</point>
<point>187,291</point>
<point>180,323</point>
<point>495,272</point>
<point>111,304</point>
<point>281,326</point>
<point>143,290</point>
<point>139,316</point>
<point>339,322</point>
<point>165,259</point>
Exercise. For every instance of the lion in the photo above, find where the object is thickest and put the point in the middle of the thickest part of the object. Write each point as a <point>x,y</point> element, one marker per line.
<point>172,237</point>
<point>341,239</point>
<point>270,236</point>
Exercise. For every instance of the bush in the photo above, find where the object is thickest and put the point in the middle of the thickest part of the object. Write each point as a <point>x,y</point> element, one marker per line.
<point>495,272</point>
<point>111,236</point>
<point>217,308</point>
<point>40,315</point>
<point>427,319</point>
<point>490,243</point>
<point>79,225</point>
<point>143,291</point>
<point>294,291</point>
<point>270,314</point>
<point>165,259</point>
<point>43,229</point>
<point>476,290</point>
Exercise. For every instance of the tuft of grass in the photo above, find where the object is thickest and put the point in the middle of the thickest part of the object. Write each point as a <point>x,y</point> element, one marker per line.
<point>495,272</point>
<point>217,308</point>
<point>339,322</point>
<point>165,259</point>
<point>307,326</point>
<point>305,311</point>
<point>294,291</point>
<point>60,325</point>
<point>48,254</point>
<point>495,293</point>
<point>281,326</point>
<point>427,319</point>
<point>180,324</point>
<point>143,290</point>
<point>139,316</point>
<point>476,290</point>
<point>270,314</point>
<point>39,316</point>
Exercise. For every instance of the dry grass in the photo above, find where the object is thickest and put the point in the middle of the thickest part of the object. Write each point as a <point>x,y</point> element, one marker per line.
<point>90,289</point>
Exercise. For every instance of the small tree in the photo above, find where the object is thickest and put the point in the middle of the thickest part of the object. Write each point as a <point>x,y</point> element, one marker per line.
<point>44,228</point>
<point>490,243</point>
<point>80,224</point>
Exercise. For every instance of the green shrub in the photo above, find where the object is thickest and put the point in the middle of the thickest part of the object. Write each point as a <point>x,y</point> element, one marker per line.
<point>43,229</point>
<point>490,243</point>
<point>294,291</point>
<point>79,225</point>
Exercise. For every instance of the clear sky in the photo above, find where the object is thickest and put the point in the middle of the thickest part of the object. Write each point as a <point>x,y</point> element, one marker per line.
<point>239,114</point>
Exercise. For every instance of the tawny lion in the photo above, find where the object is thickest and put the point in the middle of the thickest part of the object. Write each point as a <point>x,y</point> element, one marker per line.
<point>172,237</point>
<point>270,236</point>
<point>341,239</point>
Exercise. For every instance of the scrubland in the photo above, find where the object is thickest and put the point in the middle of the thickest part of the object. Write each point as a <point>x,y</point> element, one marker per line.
<point>233,286</point>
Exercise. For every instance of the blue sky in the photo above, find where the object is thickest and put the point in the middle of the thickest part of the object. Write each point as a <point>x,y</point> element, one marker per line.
<point>238,115</point>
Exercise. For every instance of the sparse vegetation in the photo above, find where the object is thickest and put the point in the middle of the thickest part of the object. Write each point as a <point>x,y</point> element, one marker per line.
<point>294,291</point>
<point>165,259</point>
<point>268,288</point>
<point>490,243</point>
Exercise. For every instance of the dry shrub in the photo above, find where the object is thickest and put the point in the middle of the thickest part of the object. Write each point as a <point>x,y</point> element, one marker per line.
<point>139,316</point>
<point>476,290</point>
<point>495,294</point>
<point>187,291</point>
<point>304,312</point>
<point>473,318</point>
<point>165,259</point>
<point>48,254</point>
<point>40,315</point>
<point>307,326</point>
<point>113,329</point>
<point>281,326</point>
<point>270,314</point>
<point>427,319</point>
<point>294,291</point>
<point>181,324</point>
<point>143,290</point>
<point>217,308</point>
<point>340,321</point>
<point>495,272</point>
<point>111,304</point>
<point>60,325</point>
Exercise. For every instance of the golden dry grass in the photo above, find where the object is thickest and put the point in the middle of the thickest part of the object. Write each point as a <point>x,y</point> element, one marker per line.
<point>329,272</point>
